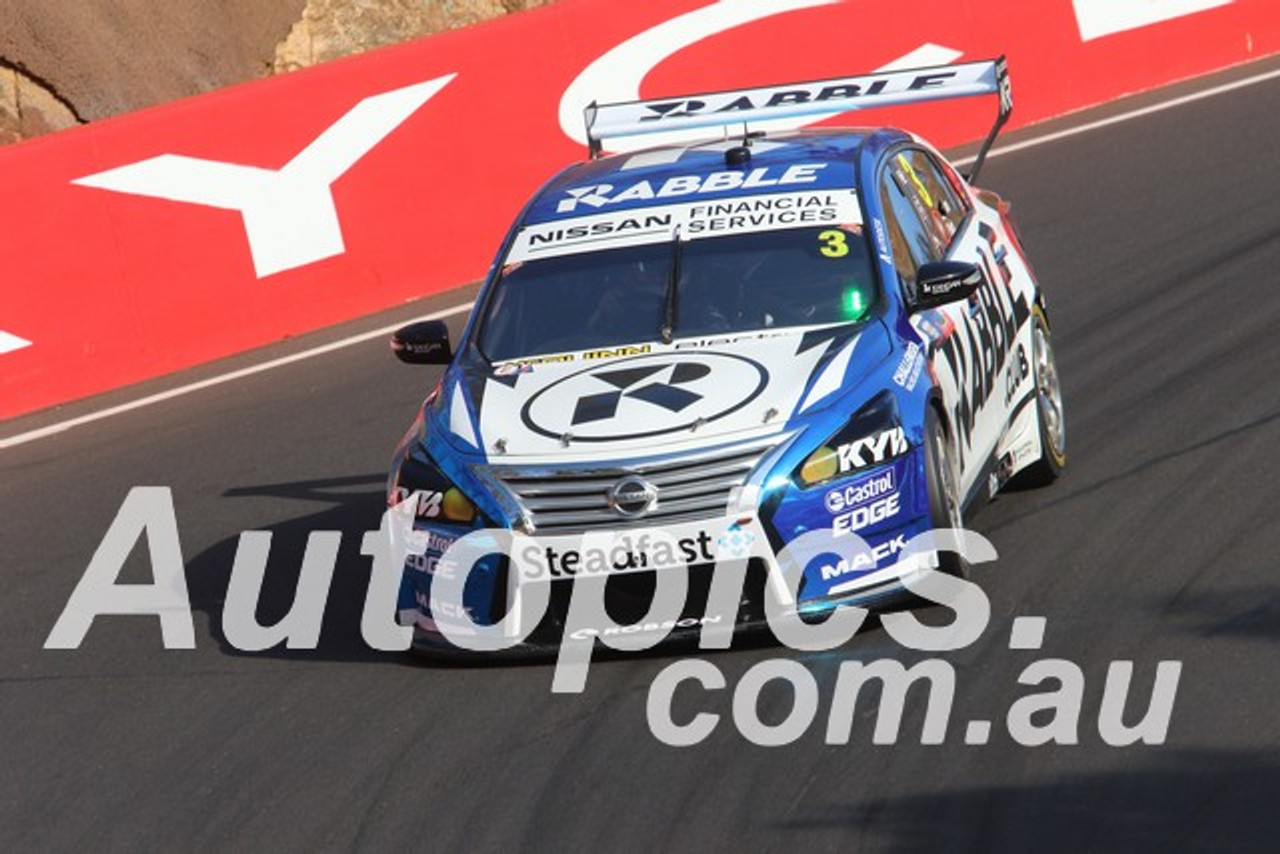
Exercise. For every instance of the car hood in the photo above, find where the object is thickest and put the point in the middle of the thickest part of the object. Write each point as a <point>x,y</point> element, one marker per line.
<point>654,397</point>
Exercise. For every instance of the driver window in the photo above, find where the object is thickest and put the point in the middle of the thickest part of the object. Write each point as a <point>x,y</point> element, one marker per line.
<point>942,209</point>
<point>913,244</point>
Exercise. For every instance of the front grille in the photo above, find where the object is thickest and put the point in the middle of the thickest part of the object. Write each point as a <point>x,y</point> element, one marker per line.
<point>575,498</point>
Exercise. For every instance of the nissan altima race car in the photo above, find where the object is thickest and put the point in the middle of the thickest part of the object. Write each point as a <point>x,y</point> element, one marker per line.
<point>820,330</point>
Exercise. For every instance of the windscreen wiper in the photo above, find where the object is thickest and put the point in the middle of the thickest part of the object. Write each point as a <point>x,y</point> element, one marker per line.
<point>672,298</point>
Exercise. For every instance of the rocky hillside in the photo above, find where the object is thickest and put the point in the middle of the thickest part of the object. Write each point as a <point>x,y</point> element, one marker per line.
<point>67,62</point>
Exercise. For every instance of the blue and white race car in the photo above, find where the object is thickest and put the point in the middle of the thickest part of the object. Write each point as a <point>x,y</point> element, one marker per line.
<point>820,329</point>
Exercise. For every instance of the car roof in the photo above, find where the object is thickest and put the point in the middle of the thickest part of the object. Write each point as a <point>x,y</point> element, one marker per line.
<point>837,148</point>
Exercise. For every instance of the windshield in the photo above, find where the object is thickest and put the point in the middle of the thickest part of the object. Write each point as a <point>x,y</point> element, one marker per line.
<point>736,283</point>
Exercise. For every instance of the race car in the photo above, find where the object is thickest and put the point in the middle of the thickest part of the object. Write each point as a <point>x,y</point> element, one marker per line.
<point>776,333</point>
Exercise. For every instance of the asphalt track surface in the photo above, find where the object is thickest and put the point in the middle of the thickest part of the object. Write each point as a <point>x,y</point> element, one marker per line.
<point>1158,241</point>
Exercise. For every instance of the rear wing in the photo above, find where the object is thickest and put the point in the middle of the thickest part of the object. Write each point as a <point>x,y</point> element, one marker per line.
<point>818,97</point>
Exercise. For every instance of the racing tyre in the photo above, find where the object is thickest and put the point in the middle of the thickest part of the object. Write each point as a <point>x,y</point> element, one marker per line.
<point>1049,411</point>
<point>944,487</point>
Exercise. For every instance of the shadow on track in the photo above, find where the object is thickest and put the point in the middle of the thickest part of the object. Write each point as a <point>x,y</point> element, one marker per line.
<point>1225,801</point>
<point>1249,613</point>
<point>350,506</point>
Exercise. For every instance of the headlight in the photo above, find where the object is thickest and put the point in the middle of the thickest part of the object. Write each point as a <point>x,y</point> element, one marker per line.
<point>872,437</point>
<point>438,498</point>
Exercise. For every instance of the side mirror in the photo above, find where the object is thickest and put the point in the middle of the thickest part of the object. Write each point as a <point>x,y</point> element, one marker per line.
<point>942,282</point>
<point>423,343</point>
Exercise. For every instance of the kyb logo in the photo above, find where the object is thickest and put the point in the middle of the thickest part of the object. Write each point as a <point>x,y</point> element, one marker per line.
<point>599,195</point>
<point>872,450</point>
<point>289,214</point>
<point>644,396</point>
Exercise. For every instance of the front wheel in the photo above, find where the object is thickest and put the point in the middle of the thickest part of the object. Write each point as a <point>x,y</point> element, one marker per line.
<point>1049,411</point>
<point>944,488</point>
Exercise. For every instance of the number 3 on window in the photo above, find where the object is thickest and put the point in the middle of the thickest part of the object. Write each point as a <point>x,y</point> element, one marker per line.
<point>834,243</point>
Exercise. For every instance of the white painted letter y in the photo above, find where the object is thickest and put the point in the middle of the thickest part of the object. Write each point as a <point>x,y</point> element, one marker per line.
<point>289,215</point>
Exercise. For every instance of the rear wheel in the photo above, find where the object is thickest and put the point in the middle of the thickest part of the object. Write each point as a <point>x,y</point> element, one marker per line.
<point>1049,411</point>
<point>944,487</point>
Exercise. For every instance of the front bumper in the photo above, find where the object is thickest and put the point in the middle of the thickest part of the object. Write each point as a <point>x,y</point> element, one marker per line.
<point>885,507</point>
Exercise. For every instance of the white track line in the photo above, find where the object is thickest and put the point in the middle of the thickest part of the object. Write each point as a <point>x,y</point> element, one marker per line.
<point>62,426</point>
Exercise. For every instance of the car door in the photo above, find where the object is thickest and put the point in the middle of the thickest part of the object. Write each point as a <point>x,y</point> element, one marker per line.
<point>931,218</point>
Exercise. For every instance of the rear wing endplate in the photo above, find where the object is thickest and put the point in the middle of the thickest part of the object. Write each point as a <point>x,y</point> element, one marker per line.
<point>817,97</point>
